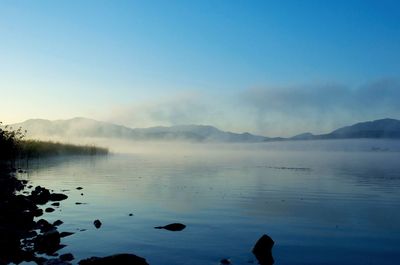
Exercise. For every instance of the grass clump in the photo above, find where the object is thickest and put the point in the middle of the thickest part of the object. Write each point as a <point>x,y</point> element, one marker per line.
<point>35,148</point>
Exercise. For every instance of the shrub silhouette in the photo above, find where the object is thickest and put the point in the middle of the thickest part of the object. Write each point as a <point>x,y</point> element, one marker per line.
<point>10,142</point>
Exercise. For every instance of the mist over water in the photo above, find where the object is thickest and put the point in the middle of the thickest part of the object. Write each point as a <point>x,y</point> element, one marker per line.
<point>323,202</point>
<point>181,147</point>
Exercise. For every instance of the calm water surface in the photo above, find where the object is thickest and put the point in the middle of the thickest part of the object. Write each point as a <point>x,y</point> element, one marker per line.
<point>337,207</point>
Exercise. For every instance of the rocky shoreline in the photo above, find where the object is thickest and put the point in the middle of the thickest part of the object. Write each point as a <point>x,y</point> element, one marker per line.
<point>23,238</point>
<point>27,237</point>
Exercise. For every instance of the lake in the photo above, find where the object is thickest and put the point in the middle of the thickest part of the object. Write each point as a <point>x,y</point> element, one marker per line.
<point>322,202</point>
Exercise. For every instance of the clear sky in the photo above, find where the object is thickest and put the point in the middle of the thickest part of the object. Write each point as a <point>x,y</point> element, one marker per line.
<point>269,67</point>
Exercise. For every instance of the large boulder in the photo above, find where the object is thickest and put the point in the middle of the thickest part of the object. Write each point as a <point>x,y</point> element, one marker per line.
<point>126,259</point>
<point>263,250</point>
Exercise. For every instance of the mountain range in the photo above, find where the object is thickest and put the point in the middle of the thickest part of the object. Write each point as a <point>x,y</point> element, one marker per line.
<point>83,127</point>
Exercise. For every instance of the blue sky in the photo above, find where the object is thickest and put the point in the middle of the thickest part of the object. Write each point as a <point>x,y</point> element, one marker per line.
<point>270,67</point>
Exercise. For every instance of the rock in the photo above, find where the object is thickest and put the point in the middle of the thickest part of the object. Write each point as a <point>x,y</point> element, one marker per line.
<point>48,243</point>
<point>79,188</point>
<point>97,224</point>
<point>172,227</point>
<point>131,214</point>
<point>38,212</point>
<point>56,262</point>
<point>67,257</point>
<point>49,210</point>
<point>263,250</point>
<point>225,262</point>
<point>57,197</point>
<point>57,223</point>
<point>130,259</point>
<point>40,195</point>
<point>56,204</point>
<point>44,226</point>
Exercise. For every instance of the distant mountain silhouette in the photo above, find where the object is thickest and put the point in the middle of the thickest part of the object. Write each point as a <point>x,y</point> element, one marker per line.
<point>82,127</point>
<point>384,128</point>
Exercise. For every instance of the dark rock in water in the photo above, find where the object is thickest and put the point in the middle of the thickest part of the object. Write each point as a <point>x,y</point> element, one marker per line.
<point>97,224</point>
<point>263,250</point>
<point>67,257</point>
<point>56,204</point>
<point>79,188</point>
<point>172,227</point>
<point>55,262</point>
<point>40,195</point>
<point>38,212</point>
<point>57,197</point>
<point>115,259</point>
<point>49,210</point>
<point>131,214</point>
<point>47,243</point>
<point>225,262</point>
<point>44,226</point>
<point>57,223</point>
<point>80,203</point>
<point>65,234</point>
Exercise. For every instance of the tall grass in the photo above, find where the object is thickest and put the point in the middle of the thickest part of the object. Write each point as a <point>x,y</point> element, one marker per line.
<point>34,148</point>
<point>13,146</point>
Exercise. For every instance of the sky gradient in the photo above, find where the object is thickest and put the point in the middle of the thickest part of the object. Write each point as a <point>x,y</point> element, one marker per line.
<point>267,67</point>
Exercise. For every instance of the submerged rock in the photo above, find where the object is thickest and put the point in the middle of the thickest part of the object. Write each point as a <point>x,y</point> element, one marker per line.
<point>263,250</point>
<point>225,262</point>
<point>172,227</point>
<point>130,259</point>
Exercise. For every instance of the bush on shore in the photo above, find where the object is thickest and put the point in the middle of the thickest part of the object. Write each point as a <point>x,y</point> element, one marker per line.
<point>10,142</point>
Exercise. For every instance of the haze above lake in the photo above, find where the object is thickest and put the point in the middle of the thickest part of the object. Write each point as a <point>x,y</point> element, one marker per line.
<point>322,202</point>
